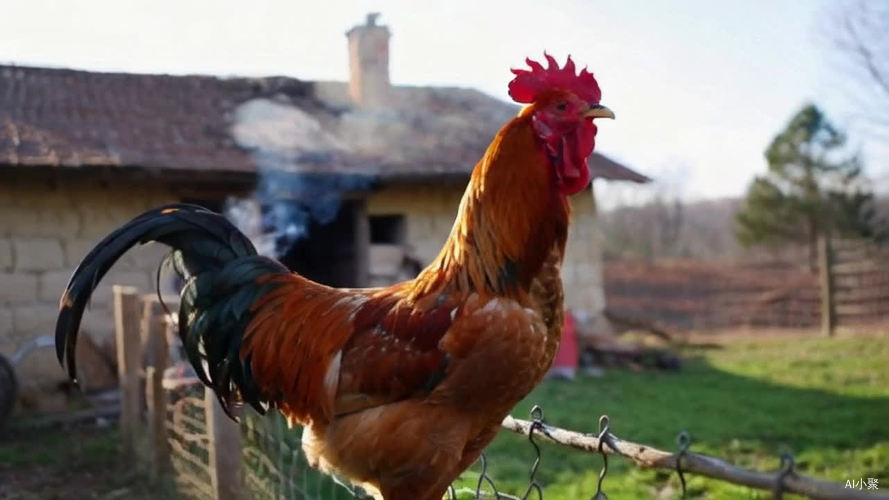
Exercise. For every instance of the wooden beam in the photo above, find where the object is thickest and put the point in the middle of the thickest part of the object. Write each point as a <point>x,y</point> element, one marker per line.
<point>224,450</point>
<point>155,395</point>
<point>647,456</point>
<point>129,360</point>
<point>825,281</point>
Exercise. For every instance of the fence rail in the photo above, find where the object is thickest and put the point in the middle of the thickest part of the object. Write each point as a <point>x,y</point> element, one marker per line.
<point>176,427</point>
<point>859,281</point>
<point>693,295</point>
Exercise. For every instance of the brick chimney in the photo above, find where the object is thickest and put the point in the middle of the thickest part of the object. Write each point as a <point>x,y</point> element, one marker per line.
<point>369,63</point>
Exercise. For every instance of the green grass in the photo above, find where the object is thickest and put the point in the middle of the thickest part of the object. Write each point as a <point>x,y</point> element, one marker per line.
<point>71,462</point>
<point>55,448</point>
<point>824,400</point>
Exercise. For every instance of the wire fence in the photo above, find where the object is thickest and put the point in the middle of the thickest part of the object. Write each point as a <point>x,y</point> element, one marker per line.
<point>272,463</point>
<point>275,466</point>
<point>189,442</point>
<point>178,427</point>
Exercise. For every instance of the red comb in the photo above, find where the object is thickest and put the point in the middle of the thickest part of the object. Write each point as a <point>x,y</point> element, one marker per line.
<point>527,85</point>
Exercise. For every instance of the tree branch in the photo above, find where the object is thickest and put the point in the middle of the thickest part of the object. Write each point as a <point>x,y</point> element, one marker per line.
<point>860,48</point>
<point>693,463</point>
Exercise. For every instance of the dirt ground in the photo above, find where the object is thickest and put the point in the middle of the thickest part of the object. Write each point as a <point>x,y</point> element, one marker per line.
<point>73,462</point>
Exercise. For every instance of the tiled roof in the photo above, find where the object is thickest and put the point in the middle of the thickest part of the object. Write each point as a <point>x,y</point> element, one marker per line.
<point>204,124</point>
<point>58,117</point>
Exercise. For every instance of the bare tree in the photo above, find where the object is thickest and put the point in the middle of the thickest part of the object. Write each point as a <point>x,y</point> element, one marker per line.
<point>858,33</point>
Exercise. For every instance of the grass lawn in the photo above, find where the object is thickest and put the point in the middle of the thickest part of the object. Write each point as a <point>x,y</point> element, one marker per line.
<point>746,401</point>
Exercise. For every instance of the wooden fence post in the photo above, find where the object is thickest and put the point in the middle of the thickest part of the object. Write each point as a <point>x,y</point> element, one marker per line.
<point>129,358</point>
<point>155,326</point>
<point>225,450</point>
<point>828,298</point>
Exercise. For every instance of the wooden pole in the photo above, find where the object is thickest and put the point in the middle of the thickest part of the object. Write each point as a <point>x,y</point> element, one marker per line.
<point>129,357</point>
<point>155,395</point>
<point>828,298</point>
<point>225,450</point>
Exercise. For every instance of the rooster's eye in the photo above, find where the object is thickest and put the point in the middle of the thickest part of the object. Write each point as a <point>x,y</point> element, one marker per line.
<point>562,106</point>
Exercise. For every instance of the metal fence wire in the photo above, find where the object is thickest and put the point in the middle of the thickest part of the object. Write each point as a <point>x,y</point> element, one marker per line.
<point>274,467</point>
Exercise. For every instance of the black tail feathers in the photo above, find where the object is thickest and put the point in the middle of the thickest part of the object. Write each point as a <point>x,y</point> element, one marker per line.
<point>219,267</point>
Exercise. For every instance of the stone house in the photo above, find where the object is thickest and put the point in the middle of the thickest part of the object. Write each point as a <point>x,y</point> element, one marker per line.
<point>83,152</point>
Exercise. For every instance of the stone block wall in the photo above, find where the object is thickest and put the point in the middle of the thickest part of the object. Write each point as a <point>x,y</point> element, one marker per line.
<point>46,227</point>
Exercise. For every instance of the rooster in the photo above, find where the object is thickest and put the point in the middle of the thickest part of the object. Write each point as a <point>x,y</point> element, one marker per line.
<point>399,388</point>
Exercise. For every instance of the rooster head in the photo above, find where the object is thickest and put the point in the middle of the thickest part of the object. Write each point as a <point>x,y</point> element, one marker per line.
<point>563,104</point>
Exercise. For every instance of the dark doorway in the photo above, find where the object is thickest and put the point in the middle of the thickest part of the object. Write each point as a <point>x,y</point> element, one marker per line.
<point>387,229</point>
<point>334,254</point>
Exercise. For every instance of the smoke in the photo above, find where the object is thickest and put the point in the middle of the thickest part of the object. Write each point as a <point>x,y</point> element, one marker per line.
<point>305,171</point>
<point>291,194</point>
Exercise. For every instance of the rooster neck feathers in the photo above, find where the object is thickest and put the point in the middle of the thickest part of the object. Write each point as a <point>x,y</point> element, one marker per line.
<point>510,219</point>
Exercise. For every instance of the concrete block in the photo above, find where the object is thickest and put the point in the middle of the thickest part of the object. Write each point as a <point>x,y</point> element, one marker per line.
<point>57,220</point>
<point>76,248</point>
<point>96,218</point>
<point>6,261</point>
<point>18,221</point>
<point>37,254</point>
<point>18,287</point>
<point>52,284</point>
<point>35,319</point>
<point>5,323</point>
<point>39,211</point>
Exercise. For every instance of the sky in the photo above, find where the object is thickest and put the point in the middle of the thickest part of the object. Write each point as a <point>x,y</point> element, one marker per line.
<point>699,87</point>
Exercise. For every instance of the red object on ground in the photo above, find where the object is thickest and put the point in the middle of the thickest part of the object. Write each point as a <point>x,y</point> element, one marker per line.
<point>567,358</point>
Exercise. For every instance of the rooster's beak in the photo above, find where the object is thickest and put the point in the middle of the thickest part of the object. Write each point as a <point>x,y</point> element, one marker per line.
<point>599,111</point>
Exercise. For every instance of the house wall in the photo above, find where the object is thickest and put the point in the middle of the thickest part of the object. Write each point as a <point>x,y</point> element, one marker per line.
<point>429,214</point>
<point>428,211</point>
<point>46,227</point>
